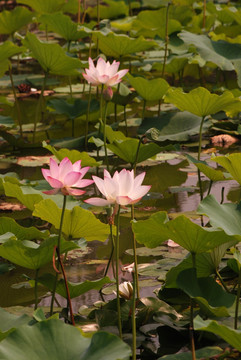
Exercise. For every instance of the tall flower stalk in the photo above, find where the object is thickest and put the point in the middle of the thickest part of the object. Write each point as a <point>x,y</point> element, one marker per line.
<point>117,251</point>
<point>59,252</point>
<point>120,190</point>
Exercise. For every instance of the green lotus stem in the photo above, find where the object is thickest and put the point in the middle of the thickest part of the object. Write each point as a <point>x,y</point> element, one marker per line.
<point>210,187</point>
<point>222,195</point>
<point>70,87</point>
<point>67,288</point>
<point>191,326</point>
<point>137,154</point>
<point>204,13</point>
<point>143,109</point>
<point>125,119</point>
<point>117,271</point>
<point>98,26</point>
<point>59,250</point>
<point>16,101</point>
<point>237,301</point>
<point>117,92</point>
<point>166,40</point>
<point>136,280</point>
<point>159,108</point>
<point>36,289</point>
<point>79,2</point>
<point>133,318</point>
<point>200,138</point>
<point>104,135</point>
<point>87,119</point>
<point>39,105</point>
<point>199,156</point>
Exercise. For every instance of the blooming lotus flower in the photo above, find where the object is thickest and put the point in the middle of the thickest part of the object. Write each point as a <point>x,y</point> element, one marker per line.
<point>65,177</point>
<point>122,189</point>
<point>104,73</point>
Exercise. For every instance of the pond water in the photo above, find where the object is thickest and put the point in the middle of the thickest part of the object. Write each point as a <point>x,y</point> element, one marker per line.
<point>174,189</point>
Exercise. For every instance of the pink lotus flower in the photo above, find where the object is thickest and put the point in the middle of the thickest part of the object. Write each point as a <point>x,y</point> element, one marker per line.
<point>104,73</point>
<point>122,189</point>
<point>65,177</point>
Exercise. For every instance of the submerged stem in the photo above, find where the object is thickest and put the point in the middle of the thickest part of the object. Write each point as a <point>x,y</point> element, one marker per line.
<point>58,251</point>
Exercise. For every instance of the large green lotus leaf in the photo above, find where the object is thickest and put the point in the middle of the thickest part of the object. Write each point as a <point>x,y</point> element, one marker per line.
<point>200,101</point>
<point>204,353</point>
<point>11,21</point>
<point>29,200</point>
<point>72,155</point>
<point>54,340</point>
<point>44,6</point>
<point>127,149</point>
<point>78,108</point>
<point>149,232</point>
<point>204,268</point>
<point>52,57</point>
<point>22,233</point>
<point>120,45</point>
<point>195,238</point>
<point>114,135</point>
<point>8,49</point>
<point>64,26</point>
<point>173,65</point>
<point>210,172</point>
<point>174,126</point>
<point>30,196</point>
<point>75,289</point>
<point>231,163</point>
<point>78,222</point>
<point>109,10</point>
<point>151,23</point>
<point>225,216</point>
<point>150,90</point>
<point>9,322</point>
<point>30,255</point>
<point>212,299</point>
<point>219,52</point>
<point>231,336</point>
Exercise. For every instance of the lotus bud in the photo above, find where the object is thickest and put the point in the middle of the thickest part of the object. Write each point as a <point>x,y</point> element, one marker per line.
<point>108,94</point>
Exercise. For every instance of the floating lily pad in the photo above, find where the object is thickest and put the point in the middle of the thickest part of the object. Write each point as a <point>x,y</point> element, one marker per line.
<point>75,289</point>
<point>174,126</point>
